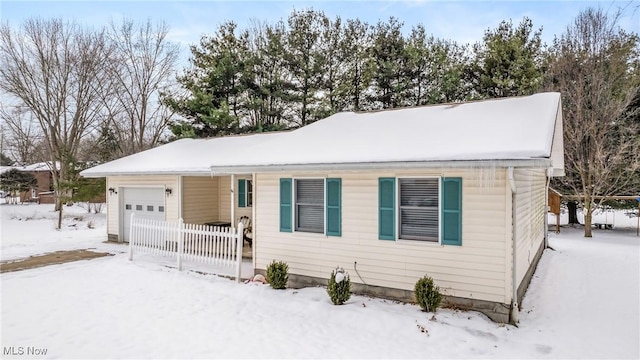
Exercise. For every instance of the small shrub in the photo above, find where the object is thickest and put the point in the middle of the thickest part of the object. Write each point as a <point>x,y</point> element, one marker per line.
<point>91,225</point>
<point>427,294</point>
<point>339,287</point>
<point>277,274</point>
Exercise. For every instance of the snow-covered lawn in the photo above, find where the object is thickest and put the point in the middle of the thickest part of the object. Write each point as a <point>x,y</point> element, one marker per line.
<point>584,302</point>
<point>29,229</point>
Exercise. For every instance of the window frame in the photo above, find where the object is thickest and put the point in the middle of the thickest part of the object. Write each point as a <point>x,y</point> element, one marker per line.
<point>245,197</point>
<point>248,184</point>
<point>294,204</point>
<point>398,217</point>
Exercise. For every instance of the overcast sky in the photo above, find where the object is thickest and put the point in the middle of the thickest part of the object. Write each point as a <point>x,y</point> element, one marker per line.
<point>463,21</point>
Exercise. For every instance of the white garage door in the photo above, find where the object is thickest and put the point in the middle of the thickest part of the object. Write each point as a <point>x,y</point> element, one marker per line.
<point>144,202</point>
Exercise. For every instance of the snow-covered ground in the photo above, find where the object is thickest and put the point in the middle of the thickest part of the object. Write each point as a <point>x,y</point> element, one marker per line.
<point>29,229</point>
<point>616,218</point>
<point>583,302</point>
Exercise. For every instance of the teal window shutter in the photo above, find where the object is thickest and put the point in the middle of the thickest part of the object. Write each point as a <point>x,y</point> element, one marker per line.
<point>334,204</point>
<point>387,208</point>
<point>286,205</point>
<point>242,193</point>
<point>452,211</point>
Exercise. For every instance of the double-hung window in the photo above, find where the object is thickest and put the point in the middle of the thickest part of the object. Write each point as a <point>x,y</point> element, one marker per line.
<point>311,205</point>
<point>420,209</point>
<point>309,200</point>
<point>419,215</point>
<point>245,193</point>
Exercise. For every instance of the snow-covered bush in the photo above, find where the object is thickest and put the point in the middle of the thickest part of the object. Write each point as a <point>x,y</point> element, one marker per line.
<point>427,294</point>
<point>278,274</point>
<point>339,287</point>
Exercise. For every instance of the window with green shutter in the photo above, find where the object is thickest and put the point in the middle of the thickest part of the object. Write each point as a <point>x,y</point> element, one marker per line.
<point>242,193</point>
<point>245,193</point>
<point>286,197</point>
<point>386,208</point>
<point>452,211</point>
<point>333,205</point>
<point>309,205</point>
<point>428,209</point>
<point>249,193</point>
<point>419,211</point>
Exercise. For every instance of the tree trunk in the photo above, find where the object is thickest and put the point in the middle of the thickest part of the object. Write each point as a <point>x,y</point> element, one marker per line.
<point>59,206</point>
<point>587,217</point>
<point>573,212</point>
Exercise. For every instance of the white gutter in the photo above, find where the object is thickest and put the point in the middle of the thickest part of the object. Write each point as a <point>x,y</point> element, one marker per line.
<point>514,294</point>
<point>215,170</point>
<point>99,174</point>
<point>546,207</point>
<point>244,169</point>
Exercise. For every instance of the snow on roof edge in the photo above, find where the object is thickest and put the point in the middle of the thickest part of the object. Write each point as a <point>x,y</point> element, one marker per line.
<point>472,164</point>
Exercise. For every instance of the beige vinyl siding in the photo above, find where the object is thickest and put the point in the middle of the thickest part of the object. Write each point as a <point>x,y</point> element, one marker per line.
<point>172,202</point>
<point>530,212</point>
<point>200,199</point>
<point>225,199</point>
<point>474,270</point>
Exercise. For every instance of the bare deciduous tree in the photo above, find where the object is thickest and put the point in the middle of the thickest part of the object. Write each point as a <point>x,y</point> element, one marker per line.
<point>23,136</point>
<point>595,65</point>
<point>142,65</point>
<point>52,68</point>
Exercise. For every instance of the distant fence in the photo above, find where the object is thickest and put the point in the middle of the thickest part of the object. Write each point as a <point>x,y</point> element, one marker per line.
<point>219,246</point>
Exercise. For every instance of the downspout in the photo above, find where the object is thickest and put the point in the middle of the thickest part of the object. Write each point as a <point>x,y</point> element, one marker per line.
<point>514,295</point>
<point>546,202</point>
<point>253,219</point>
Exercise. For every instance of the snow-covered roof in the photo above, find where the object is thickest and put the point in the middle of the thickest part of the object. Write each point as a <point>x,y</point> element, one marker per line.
<point>507,130</point>
<point>185,156</point>
<point>41,166</point>
<point>518,128</point>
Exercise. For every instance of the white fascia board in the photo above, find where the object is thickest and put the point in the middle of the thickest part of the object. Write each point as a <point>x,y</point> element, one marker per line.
<point>243,169</point>
<point>147,173</point>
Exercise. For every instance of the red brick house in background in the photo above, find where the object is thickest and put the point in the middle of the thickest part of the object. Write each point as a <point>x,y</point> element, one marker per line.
<point>43,192</point>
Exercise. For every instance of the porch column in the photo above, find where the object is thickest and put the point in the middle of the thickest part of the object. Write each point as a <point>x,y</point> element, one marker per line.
<point>253,219</point>
<point>233,202</point>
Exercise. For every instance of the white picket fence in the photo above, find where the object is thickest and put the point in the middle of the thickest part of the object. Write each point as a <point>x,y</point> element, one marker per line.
<point>218,246</point>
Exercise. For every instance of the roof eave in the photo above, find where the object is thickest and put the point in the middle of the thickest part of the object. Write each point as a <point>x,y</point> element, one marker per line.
<point>244,169</point>
<point>99,174</point>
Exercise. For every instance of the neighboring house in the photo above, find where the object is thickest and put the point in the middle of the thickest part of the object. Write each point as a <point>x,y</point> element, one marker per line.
<point>454,191</point>
<point>43,191</point>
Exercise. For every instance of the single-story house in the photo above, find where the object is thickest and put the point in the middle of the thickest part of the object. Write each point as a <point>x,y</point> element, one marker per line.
<point>42,192</point>
<point>455,191</point>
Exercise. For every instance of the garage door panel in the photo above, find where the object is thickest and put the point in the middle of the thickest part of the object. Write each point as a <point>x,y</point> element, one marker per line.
<point>144,202</point>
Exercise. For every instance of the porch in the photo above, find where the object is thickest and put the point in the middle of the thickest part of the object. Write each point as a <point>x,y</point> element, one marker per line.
<point>219,201</point>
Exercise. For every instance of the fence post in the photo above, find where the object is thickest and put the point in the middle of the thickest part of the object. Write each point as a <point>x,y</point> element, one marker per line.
<point>131,237</point>
<point>180,242</point>
<point>239,243</point>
